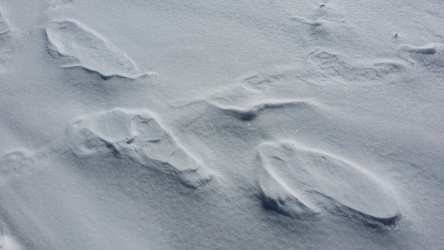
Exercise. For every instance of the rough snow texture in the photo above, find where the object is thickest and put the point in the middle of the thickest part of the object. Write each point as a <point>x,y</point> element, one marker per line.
<point>138,136</point>
<point>269,124</point>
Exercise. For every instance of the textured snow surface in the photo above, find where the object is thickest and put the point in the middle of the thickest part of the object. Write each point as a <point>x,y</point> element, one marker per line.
<point>172,124</point>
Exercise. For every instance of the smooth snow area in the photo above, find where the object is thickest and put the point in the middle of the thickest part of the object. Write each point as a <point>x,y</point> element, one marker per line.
<point>171,124</point>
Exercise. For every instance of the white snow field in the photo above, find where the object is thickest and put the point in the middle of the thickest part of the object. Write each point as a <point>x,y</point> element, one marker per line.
<point>269,124</point>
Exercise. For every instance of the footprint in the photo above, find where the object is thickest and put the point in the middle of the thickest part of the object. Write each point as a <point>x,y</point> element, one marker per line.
<point>302,182</point>
<point>137,136</point>
<point>322,30</point>
<point>15,163</point>
<point>261,80</point>
<point>323,25</point>
<point>331,65</point>
<point>58,3</point>
<point>82,47</point>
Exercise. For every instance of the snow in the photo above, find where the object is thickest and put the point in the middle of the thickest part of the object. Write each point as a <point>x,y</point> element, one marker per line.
<point>221,124</point>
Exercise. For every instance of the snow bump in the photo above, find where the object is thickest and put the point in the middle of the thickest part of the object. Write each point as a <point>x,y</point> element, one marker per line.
<point>298,181</point>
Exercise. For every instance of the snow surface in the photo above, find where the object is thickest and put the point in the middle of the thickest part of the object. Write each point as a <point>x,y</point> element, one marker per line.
<point>273,124</point>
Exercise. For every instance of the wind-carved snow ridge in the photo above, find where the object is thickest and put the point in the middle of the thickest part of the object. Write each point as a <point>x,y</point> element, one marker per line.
<point>430,55</point>
<point>138,136</point>
<point>84,48</point>
<point>250,113</point>
<point>302,183</point>
<point>4,25</point>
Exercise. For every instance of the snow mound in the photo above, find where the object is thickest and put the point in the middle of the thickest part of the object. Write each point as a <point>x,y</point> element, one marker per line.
<point>86,49</point>
<point>137,136</point>
<point>301,182</point>
<point>7,242</point>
